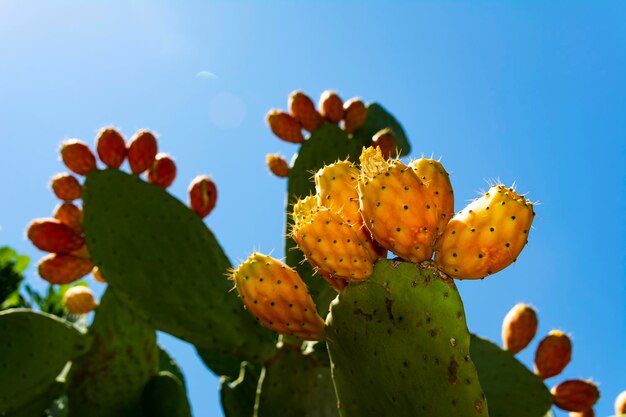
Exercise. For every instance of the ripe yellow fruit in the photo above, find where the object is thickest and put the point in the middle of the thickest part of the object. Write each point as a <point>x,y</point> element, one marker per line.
<point>79,300</point>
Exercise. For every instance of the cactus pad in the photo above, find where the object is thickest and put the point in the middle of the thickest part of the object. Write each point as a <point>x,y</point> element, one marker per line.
<point>399,346</point>
<point>238,395</point>
<point>34,348</point>
<point>294,384</point>
<point>165,263</point>
<point>164,396</point>
<point>512,390</point>
<point>109,379</point>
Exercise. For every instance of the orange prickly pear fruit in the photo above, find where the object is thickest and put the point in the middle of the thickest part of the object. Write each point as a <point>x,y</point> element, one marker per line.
<point>66,187</point>
<point>202,195</point>
<point>63,269</point>
<point>329,243</point>
<point>142,150</point>
<point>387,142</point>
<point>276,295</point>
<point>277,165</point>
<point>70,215</point>
<point>303,110</point>
<point>77,156</point>
<point>79,300</point>
<point>396,207</point>
<point>163,171</point>
<point>575,395</point>
<point>354,114</point>
<point>331,106</point>
<point>285,126</point>
<point>553,354</point>
<point>437,181</point>
<point>486,236</point>
<point>336,186</point>
<point>338,284</point>
<point>50,235</point>
<point>586,413</point>
<point>98,275</point>
<point>519,327</point>
<point>620,404</point>
<point>111,147</point>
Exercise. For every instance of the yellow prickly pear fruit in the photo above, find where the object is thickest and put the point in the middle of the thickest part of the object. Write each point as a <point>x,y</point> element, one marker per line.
<point>553,354</point>
<point>575,395</point>
<point>276,295</point>
<point>519,327</point>
<point>396,207</point>
<point>486,236</point>
<point>285,126</point>
<point>620,404</point>
<point>277,165</point>
<point>336,187</point>
<point>354,114</point>
<point>331,106</point>
<point>79,300</point>
<point>329,243</point>
<point>303,110</point>
<point>437,181</point>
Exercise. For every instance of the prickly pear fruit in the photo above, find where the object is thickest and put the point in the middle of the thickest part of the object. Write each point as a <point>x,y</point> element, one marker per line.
<point>437,181</point>
<point>331,245</point>
<point>336,188</point>
<point>79,300</point>
<point>50,235</point>
<point>575,395</point>
<point>276,295</point>
<point>331,106</point>
<point>486,236</point>
<point>337,283</point>
<point>142,149</point>
<point>285,126</point>
<point>277,165</point>
<point>63,269</point>
<point>111,147</point>
<point>519,328</point>
<point>98,275</point>
<point>620,404</point>
<point>66,187</point>
<point>70,215</point>
<point>396,207</point>
<point>202,195</point>
<point>354,114</point>
<point>303,110</point>
<point>553,354</point>
<point>163,171</point>
<point>587,413</point>
<point>77,156</point>
<point>385,140</point>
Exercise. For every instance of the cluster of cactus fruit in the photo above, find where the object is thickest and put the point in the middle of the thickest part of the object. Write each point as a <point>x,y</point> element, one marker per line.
<point>394,341</point>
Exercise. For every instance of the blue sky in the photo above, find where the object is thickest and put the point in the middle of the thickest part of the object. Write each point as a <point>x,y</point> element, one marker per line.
<point>526,92</point>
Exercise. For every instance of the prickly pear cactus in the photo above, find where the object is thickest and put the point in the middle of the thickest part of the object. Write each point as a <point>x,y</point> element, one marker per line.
<point>34,349</point>
<point>167,265</point>
<point>164,396</point>
<point>512,390</point>
<point>295,384</point>
<point>110,378</point>
<point>399,346</point>
<point>326,145</point>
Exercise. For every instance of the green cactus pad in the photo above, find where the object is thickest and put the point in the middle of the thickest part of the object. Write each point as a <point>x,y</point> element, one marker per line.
<point>378,118</point>
<point>399,346</point>
<point>37,406</point>
<point>34,349</point>
<point>293,384</point>
<point>512,389</point>
<point>165,263</point>
<point>238,396</point>
<point>110,378</point>
<point>168,364</point>
<point>164,396</point>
